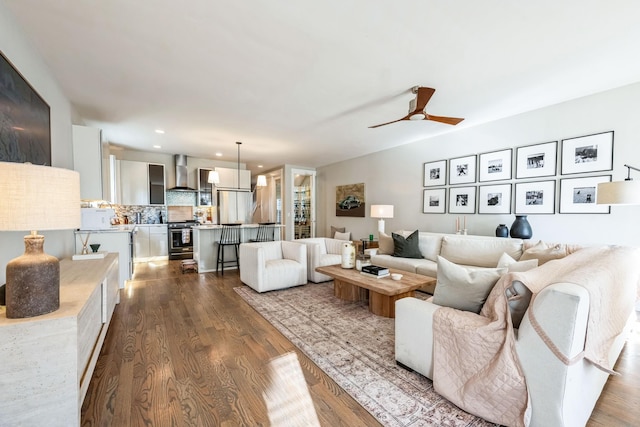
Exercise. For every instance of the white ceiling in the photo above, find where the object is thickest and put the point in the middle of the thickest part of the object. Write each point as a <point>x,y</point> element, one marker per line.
<point>299,82</point>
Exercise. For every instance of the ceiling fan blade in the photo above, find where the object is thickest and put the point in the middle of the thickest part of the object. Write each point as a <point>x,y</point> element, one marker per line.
<point>447,120</point>
<point>424,95</point>
<point>388,123</point>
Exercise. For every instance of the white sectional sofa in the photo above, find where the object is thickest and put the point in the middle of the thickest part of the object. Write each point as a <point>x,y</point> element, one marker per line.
<point>560,393</point>
<point>473,251</point>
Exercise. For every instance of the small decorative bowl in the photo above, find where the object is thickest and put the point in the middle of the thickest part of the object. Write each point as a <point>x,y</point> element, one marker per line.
<point>396,276</point>
<point>95,247</point>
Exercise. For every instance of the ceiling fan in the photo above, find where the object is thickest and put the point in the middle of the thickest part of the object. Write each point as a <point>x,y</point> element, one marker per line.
<point>416,109</point>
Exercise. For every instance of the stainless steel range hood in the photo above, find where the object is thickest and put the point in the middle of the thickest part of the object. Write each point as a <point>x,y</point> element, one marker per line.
<point>182,178</point>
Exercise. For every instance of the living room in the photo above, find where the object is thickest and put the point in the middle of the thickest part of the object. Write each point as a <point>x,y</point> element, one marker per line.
<point>395,176</point>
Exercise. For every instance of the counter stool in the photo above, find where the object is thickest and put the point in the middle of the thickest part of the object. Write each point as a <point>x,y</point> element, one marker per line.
<point>265,232</point>
<point>230,236</point>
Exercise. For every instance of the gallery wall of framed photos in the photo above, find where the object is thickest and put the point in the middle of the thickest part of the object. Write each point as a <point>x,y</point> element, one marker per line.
<point>545,178</point>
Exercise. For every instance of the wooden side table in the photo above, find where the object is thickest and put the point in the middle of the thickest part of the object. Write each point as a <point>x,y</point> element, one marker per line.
<point>363,244</point>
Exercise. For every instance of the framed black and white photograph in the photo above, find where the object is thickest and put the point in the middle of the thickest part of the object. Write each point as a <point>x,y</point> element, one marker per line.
<point>579,195</point>
<point>462,200</point>
<point>591,153</point>
<point>434,201</point>
<point>435,173</point>
<point>494,199</point>
<point>495,166</point>
<point>462,170</point>
<point>537,197</point>
<point>537,160</point>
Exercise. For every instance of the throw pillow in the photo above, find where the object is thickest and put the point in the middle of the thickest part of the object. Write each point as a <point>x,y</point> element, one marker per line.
<point>518,298</point>
<point>335,230</point>
<point>342,236</point>
<point>406,247</point>
<point>544,253</point>
<point>506,261</point>
<point>385,244</point>
<point>462,288</point>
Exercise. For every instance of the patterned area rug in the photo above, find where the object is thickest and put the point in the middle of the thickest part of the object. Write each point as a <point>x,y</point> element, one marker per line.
<point>356,349</point>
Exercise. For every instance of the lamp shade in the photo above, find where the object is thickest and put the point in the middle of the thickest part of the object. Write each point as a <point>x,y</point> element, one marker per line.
<point>261,181</point>
<point>213,178</point>
<point>381,211</point>
<point>619,193</point>
<point>38,197</point>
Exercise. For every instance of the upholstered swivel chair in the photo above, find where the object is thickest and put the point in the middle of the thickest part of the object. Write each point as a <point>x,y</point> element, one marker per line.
<point>266,266</point>
<point>230,236</point>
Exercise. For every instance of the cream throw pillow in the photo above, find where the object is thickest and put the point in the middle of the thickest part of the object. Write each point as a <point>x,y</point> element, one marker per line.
<point>506,261</point>
<point>385,244</point>
<point>544,253</point>
<point>462,288</point>
<point>342,236</point>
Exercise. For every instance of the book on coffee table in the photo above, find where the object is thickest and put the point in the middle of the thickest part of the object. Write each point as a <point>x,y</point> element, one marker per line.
<point>375,270</point>
<point>375,276</point>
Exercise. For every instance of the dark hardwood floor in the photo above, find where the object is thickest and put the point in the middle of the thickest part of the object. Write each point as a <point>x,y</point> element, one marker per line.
<point>186,350</point>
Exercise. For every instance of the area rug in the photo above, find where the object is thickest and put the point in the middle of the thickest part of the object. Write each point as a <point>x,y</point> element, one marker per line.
<point>356,349</point>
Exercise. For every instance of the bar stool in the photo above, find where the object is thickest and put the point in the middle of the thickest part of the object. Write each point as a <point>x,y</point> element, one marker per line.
<point>230,236</point>
<point>265,232</point>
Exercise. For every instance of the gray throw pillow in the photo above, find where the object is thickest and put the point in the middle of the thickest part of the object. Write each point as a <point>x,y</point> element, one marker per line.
<point>464,288</point>
<point>406,247</point>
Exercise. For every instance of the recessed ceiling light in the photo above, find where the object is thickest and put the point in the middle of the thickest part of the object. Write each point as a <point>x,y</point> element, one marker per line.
<point>219,154</point>
<point>157,146</point>
<point>159,131</point>
<point>260,166</point>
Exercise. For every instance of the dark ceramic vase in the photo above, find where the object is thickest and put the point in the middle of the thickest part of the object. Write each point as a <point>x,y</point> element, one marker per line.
<point>502,231</point>
<point>521,228</point>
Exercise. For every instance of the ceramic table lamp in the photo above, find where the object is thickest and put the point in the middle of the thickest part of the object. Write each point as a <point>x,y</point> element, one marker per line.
<point>36,198</point>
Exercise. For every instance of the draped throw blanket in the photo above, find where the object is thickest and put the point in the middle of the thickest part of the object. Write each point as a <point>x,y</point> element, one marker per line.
<point>475,361</point>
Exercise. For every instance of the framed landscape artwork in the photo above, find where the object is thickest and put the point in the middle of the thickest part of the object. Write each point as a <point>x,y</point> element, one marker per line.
<point>462,170</point>
<point>25,121</point>
<point>434,201</point>
<point>537,197</point>
<point>591,153</point>
<point>435,173</point>
<point>462,200</point>
<point>494,199</point>
<point>537,160</point>
<point>495,166</point>
<point>580,195</point>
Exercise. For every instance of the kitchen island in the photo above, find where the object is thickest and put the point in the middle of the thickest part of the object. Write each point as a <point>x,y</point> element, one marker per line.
<point>207,236</point>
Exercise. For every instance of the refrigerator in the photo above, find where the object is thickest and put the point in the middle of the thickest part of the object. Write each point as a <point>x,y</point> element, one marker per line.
<point>235,206</point>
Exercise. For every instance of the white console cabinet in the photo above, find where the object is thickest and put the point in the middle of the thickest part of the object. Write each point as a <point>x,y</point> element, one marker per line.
<point>47,361</point>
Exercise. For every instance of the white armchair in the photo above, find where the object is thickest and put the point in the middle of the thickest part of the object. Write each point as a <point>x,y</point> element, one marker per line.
<point>321,251</point>
<point>266,266</point>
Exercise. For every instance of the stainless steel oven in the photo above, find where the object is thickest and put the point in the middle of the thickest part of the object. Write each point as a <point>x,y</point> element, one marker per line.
<point>181,240</point>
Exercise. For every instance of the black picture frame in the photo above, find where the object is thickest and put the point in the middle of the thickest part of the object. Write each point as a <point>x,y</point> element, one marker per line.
<point>25,119</point>
<point>434,200</point>
<point>580,195</point>
<point>434,173</point>
<point>495,165</point>
<point>589,153</point>
<point>537,160</point>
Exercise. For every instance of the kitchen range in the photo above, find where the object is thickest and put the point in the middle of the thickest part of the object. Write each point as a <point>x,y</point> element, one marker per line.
<point>180,221</point>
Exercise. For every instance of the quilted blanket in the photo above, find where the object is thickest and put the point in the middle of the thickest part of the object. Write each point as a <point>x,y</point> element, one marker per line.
<point>475,361</point>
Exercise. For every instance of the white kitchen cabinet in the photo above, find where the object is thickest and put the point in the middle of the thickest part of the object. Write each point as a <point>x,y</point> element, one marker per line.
<point>151,242</point>
<point>229,178</point>
<point>141,183</point>
<point>134,183</point>
<point>47,361</point>
<point>87,160</point>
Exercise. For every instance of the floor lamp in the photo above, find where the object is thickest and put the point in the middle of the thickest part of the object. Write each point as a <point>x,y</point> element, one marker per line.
<point>381,212</point>
<point>625,192</point>
<point>36,198</point>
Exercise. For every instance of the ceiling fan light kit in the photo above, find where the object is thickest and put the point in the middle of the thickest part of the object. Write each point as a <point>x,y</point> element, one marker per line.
<point>417,106</point>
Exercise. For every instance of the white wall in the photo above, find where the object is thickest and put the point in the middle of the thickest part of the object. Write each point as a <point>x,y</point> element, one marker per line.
<point>16,47</point>
<point>395,176</point>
